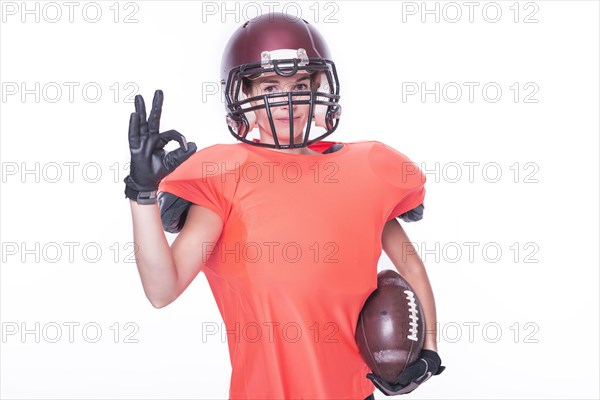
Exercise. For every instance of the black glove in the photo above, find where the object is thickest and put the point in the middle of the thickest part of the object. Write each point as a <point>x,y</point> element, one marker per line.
<point>415,374</point>
<point>149,162</point>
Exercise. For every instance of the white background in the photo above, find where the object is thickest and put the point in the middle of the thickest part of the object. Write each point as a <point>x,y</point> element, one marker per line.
<point>533,308</point>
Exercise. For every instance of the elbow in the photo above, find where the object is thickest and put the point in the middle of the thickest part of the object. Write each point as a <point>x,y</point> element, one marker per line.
<point>159,303</point>
<point>160,295</point>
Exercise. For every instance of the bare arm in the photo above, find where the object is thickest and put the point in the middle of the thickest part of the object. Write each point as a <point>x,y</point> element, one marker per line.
<point>167,271</point>
<point>397,246</point>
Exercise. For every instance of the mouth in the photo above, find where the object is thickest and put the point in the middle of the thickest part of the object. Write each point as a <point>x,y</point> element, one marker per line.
<point>286,119</point>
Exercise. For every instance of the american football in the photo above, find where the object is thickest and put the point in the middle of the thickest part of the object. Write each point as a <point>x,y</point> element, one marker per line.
<point>390,328</point>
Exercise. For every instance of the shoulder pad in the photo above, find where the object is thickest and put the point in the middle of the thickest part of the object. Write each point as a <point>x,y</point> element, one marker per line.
<point>416,214</point>
<point>173,211</point>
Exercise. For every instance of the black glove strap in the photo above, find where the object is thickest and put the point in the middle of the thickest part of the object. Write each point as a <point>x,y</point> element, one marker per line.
<point>437,361</point>
<point>148,197</point>
<point>417,373</point>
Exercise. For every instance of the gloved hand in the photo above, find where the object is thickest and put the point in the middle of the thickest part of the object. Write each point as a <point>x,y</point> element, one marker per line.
<point>415,374</point>
<point>149,162</point>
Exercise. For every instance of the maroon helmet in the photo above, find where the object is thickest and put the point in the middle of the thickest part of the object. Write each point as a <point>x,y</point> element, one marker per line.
<point>279,44</point>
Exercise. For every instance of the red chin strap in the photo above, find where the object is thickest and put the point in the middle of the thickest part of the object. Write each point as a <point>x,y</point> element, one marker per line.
<point>319,146</point>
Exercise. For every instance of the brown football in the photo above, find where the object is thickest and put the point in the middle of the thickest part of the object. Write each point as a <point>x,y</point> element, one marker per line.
<point>390,328</point>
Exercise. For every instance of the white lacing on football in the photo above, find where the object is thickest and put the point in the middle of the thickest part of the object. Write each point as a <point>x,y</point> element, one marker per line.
<point>414,327</point>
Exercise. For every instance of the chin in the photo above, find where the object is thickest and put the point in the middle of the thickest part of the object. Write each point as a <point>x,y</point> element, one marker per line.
<point>284,138</point>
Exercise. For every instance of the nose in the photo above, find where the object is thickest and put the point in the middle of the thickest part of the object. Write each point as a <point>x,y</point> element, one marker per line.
<point>288,99</point>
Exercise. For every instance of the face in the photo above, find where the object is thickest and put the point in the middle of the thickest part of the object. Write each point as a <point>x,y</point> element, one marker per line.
<point>272,84</point>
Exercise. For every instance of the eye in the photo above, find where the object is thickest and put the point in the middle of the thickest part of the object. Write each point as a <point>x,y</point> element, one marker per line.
<point>301,87</point>
<point>269,89</point>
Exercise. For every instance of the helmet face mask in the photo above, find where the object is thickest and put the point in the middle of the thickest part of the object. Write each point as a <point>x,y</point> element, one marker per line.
<point>264,52</point>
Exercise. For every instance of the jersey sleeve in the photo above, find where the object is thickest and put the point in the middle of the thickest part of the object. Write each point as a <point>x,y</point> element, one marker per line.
<point>201,181</point>
<point>404,180</point>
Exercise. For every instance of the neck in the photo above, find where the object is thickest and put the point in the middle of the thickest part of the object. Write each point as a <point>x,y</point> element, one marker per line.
<point>301,150</point>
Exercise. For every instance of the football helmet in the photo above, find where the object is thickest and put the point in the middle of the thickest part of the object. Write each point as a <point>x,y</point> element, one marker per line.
<point>279,44</point>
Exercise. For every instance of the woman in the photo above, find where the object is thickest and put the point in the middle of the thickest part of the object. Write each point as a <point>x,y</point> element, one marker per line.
<point>286,226</point>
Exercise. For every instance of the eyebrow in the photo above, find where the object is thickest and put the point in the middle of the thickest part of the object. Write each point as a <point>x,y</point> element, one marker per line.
<point>277,81</point>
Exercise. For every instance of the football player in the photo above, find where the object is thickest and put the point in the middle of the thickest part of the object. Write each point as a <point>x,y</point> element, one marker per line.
<point>286,226</point>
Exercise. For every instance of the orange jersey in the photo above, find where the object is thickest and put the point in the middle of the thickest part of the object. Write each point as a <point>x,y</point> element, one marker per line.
<point>297,258</point>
